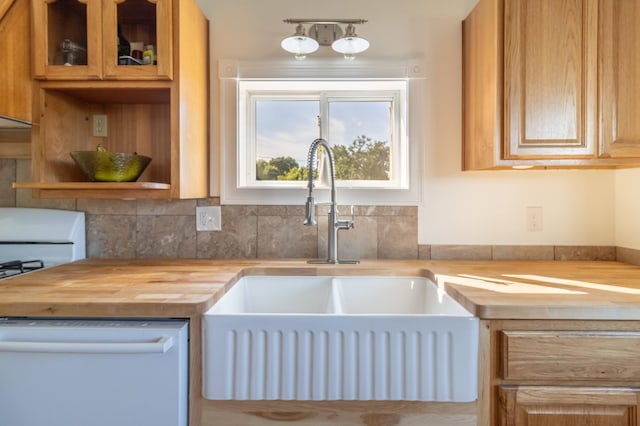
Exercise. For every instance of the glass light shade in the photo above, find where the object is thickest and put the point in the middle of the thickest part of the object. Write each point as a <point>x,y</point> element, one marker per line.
<point>350,44</point>
<point>299,44</point>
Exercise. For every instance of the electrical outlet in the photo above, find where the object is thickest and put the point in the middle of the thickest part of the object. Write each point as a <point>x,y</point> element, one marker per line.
<point>208,218</point>
<point>534,219</point>
<point>100,125</point>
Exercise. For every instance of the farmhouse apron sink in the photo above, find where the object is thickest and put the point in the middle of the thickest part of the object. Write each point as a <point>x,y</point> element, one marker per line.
<point>339,338</point>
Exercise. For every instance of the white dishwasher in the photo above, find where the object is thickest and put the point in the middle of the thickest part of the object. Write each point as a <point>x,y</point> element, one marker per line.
<point>72,372</point>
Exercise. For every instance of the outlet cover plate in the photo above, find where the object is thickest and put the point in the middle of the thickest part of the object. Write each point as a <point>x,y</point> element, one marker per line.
<point>100,125</point>
<point>208,218</point>
<point>534,219</point>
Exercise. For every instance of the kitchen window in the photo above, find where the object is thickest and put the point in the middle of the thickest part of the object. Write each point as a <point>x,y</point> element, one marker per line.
<point>362,121</point>
<point>268,128</point>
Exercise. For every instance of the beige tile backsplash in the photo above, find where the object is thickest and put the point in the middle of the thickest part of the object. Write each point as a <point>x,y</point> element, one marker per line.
<point>7,176</point>
<point>166,229</point>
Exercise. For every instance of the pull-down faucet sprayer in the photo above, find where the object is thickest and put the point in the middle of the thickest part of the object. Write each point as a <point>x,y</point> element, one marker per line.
<point>334,224</point>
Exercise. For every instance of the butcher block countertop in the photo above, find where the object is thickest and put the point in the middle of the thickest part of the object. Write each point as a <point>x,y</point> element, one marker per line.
<point>186,288</point>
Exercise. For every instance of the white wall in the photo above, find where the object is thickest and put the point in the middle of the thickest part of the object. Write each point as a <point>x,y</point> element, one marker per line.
<point>627,209</point>
<point>488,207</point>
<point>457,207</point>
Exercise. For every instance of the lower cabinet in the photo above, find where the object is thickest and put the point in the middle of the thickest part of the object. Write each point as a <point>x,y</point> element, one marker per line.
<point>563,373</point>
<point>567,406</point>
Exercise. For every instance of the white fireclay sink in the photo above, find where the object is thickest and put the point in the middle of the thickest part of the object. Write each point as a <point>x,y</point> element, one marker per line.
<point>339,338</point>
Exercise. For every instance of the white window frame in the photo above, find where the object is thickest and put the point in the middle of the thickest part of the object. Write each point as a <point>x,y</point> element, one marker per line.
<point>226,151</point>
<point>325,92</point>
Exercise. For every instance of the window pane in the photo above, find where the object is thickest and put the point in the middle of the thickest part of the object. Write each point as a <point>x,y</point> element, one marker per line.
<point>360,134</point>
<point>284,131</point>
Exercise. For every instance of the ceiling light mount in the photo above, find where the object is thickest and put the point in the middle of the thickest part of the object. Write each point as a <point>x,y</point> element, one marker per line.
<point>325,32</point>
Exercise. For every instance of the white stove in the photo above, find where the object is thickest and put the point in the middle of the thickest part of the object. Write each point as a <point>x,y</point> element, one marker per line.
<point>83,371</point>
<point>38,238</point>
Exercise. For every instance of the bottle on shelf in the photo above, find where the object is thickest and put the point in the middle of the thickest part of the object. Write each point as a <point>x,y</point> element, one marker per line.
<point>149,55</point>
<point>124,47</point>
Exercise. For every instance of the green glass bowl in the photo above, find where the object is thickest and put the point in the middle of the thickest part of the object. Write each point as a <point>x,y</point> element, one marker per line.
<point>100,166</point>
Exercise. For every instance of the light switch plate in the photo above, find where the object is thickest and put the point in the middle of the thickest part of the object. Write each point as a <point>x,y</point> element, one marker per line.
<point>208,218</point>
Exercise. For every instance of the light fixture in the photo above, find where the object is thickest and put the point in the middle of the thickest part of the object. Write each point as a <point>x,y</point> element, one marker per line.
<point>299,44</point>
<point>325,32</point>
<point>350,45</point>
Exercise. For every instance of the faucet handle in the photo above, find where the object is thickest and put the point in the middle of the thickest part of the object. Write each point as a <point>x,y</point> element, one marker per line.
<point>348,223</point>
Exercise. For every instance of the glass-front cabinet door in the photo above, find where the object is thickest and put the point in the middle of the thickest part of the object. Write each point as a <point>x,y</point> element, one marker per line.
<point>67,39</point>
<point>102,39</point>
<point>137,39</point>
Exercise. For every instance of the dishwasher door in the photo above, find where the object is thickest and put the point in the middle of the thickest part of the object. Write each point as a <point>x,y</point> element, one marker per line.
<point>93,372</point>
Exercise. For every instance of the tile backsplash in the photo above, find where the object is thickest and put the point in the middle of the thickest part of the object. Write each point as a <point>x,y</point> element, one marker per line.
<point>167,229</point>
<point>151,228</point>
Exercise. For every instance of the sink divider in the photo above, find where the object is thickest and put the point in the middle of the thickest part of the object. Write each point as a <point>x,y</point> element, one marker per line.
<point>336,297</point>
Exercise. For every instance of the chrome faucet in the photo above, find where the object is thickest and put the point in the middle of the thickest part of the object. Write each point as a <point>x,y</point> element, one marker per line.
<point>334,224</point>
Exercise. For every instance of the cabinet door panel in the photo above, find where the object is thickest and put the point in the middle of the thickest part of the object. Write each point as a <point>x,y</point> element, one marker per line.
<point>561,355</point>
<point>552,406</point>
<point>75,21</point>
<point>145,21</point>
<point>482,86</point>
<point>15,85</point>
<point>550,77</point>
<point>620,78</point>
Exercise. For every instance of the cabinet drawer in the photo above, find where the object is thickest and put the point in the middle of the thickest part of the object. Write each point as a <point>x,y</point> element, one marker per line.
<point>570,355</point>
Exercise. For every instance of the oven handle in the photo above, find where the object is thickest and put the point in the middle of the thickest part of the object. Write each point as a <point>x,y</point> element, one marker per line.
<point>161,345</point>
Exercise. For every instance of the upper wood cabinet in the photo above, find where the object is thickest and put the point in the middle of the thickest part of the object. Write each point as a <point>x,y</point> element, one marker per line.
<point>15,75</point>
<point>153,110</point>
<point>551,83</point>
<point>78,39</point>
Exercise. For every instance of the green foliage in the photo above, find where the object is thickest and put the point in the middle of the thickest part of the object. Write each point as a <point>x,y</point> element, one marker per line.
<point>275,169</point>
<point>296,173</point>
<point>362,160</point>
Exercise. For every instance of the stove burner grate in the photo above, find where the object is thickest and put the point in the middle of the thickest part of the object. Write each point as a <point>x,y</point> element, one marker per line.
<point>15,267</point>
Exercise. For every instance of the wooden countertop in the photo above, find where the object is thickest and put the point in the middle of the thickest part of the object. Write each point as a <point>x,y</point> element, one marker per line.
<point>187,288</point>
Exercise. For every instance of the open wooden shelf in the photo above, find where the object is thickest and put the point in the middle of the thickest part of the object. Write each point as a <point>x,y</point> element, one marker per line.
<point>101,190</point>
<point>90,185</point>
